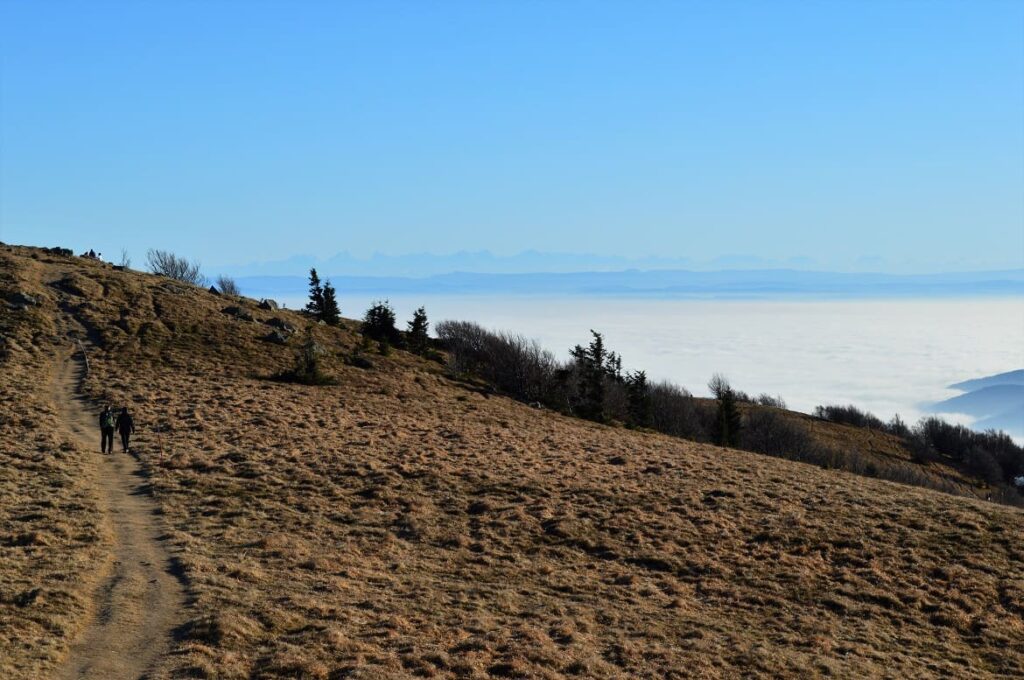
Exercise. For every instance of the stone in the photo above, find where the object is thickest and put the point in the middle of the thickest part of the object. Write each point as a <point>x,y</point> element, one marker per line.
<point>278,322</point>
<point>20,298</point>
<point>268,305</point>
<point>277,337</point>
<point>238,313</point>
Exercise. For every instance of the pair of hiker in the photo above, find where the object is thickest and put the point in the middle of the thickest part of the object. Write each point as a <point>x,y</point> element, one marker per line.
<point>123,423</point>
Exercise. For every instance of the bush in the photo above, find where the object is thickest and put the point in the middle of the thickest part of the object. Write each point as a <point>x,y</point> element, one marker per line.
<point>770,401</point>
<point>308,369</point>
<point>774,434</point>
<point>227,286</point>
<point>164,263</point>
<point>511,363</point>
<point>379,324</point>
<point>675,412</point>
<point>849,415</point>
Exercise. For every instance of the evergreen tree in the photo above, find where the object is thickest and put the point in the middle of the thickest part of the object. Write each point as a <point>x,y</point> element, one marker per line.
<point>639,394</point>
<point>379,323</point>
<point>419,340</point>
<point>727,425</point>
<point>315,306</point>
<point>330,313</point>
<point>593,367</point>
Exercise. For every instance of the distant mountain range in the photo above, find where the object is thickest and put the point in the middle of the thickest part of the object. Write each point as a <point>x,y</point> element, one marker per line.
<point>654,283</point>
<point>995,402</point>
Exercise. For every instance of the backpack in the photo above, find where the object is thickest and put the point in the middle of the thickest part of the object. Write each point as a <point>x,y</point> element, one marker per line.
<point>108,419</point>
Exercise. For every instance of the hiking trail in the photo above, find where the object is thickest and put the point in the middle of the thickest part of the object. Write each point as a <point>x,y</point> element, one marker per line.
<point>139,600</point>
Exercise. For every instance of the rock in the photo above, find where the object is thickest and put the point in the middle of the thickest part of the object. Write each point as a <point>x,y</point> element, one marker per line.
<point>277,337</point>
<point>268,305</point>
<point>20,298</point>
<point>278,322</point>
<point>214,290</point>
<point>238,313</point>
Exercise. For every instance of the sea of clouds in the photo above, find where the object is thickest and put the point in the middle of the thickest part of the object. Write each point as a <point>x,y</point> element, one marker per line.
<point>886,356</point>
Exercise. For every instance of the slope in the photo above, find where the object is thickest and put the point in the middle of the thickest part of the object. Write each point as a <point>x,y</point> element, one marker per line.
<point>400,524</point>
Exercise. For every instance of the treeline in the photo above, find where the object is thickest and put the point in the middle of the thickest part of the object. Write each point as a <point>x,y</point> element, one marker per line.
<point>592,385</point>
<point>991,456</point>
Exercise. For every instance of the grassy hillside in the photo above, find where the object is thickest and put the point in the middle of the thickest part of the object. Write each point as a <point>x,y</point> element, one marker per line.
<point>399,524</point>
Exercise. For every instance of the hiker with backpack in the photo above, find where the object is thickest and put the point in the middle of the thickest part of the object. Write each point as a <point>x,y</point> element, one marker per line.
<point>125,426</point>
<point>107,430</point>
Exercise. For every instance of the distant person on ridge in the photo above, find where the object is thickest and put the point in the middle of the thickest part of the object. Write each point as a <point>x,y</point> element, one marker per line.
<point>107,430</point>
<point>125,426</point>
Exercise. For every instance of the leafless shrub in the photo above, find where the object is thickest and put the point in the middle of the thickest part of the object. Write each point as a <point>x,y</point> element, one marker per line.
<point>126,260</point>
<point>227,286</point>
<point>773,434</point>
<point>674,411</point>
<point>513,364</point>
<point>166,263</point>
<point>766,399</point>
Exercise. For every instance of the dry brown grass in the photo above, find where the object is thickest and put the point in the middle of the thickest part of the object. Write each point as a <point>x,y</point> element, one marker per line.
<point>399,525</point>
<point>53,542</point>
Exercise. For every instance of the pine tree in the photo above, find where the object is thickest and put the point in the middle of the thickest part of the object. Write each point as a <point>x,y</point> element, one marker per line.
<point>639,394</point>
<point>379,323</point>
<point>315,306</point>
<point>592,363</point>
<point>726,430</point>
<point>419,340</point>
<point>331,313</point>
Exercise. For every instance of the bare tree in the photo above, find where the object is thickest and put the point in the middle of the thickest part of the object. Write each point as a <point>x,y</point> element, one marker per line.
<point>165,263</point>
<point>126,261</point>
<point>227,286</point>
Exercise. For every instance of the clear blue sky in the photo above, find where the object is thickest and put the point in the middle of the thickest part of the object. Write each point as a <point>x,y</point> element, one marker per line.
<point>247,131</point>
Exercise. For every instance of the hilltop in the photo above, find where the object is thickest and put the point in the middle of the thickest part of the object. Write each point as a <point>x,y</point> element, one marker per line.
<point>402,523</point>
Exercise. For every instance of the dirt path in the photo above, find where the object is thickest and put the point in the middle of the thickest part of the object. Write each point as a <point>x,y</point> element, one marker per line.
<point>140,600</point>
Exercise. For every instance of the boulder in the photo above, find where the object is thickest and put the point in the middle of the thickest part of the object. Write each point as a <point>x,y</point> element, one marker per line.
<point>213,289</point>
<point>238,313</point>
<point>268,305</point>
<point>277,337</point>
<point>278,322</point>
<point>21,299</point>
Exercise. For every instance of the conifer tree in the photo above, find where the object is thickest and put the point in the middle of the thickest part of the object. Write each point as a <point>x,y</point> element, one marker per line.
<point>419,340</point>
<point>593,366</point>
<point>330,313</point>
<point>379,323</point>
<point>639,395</point>
<point>315,306</point>
<point>727,425</point>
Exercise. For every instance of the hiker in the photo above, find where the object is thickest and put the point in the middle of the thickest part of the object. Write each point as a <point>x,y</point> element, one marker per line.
<point>107,430</point>
<point>125,426</point>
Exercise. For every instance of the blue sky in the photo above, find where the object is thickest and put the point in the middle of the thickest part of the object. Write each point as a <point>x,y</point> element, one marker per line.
<point>854,135</point>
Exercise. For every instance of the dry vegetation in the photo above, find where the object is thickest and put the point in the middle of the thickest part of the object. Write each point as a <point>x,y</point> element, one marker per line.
<point>398,524</point>
<point>53,542</point>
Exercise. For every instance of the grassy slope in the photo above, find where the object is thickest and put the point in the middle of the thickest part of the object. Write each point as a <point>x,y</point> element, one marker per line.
<point>398,525</point>
<point>53,541</point>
